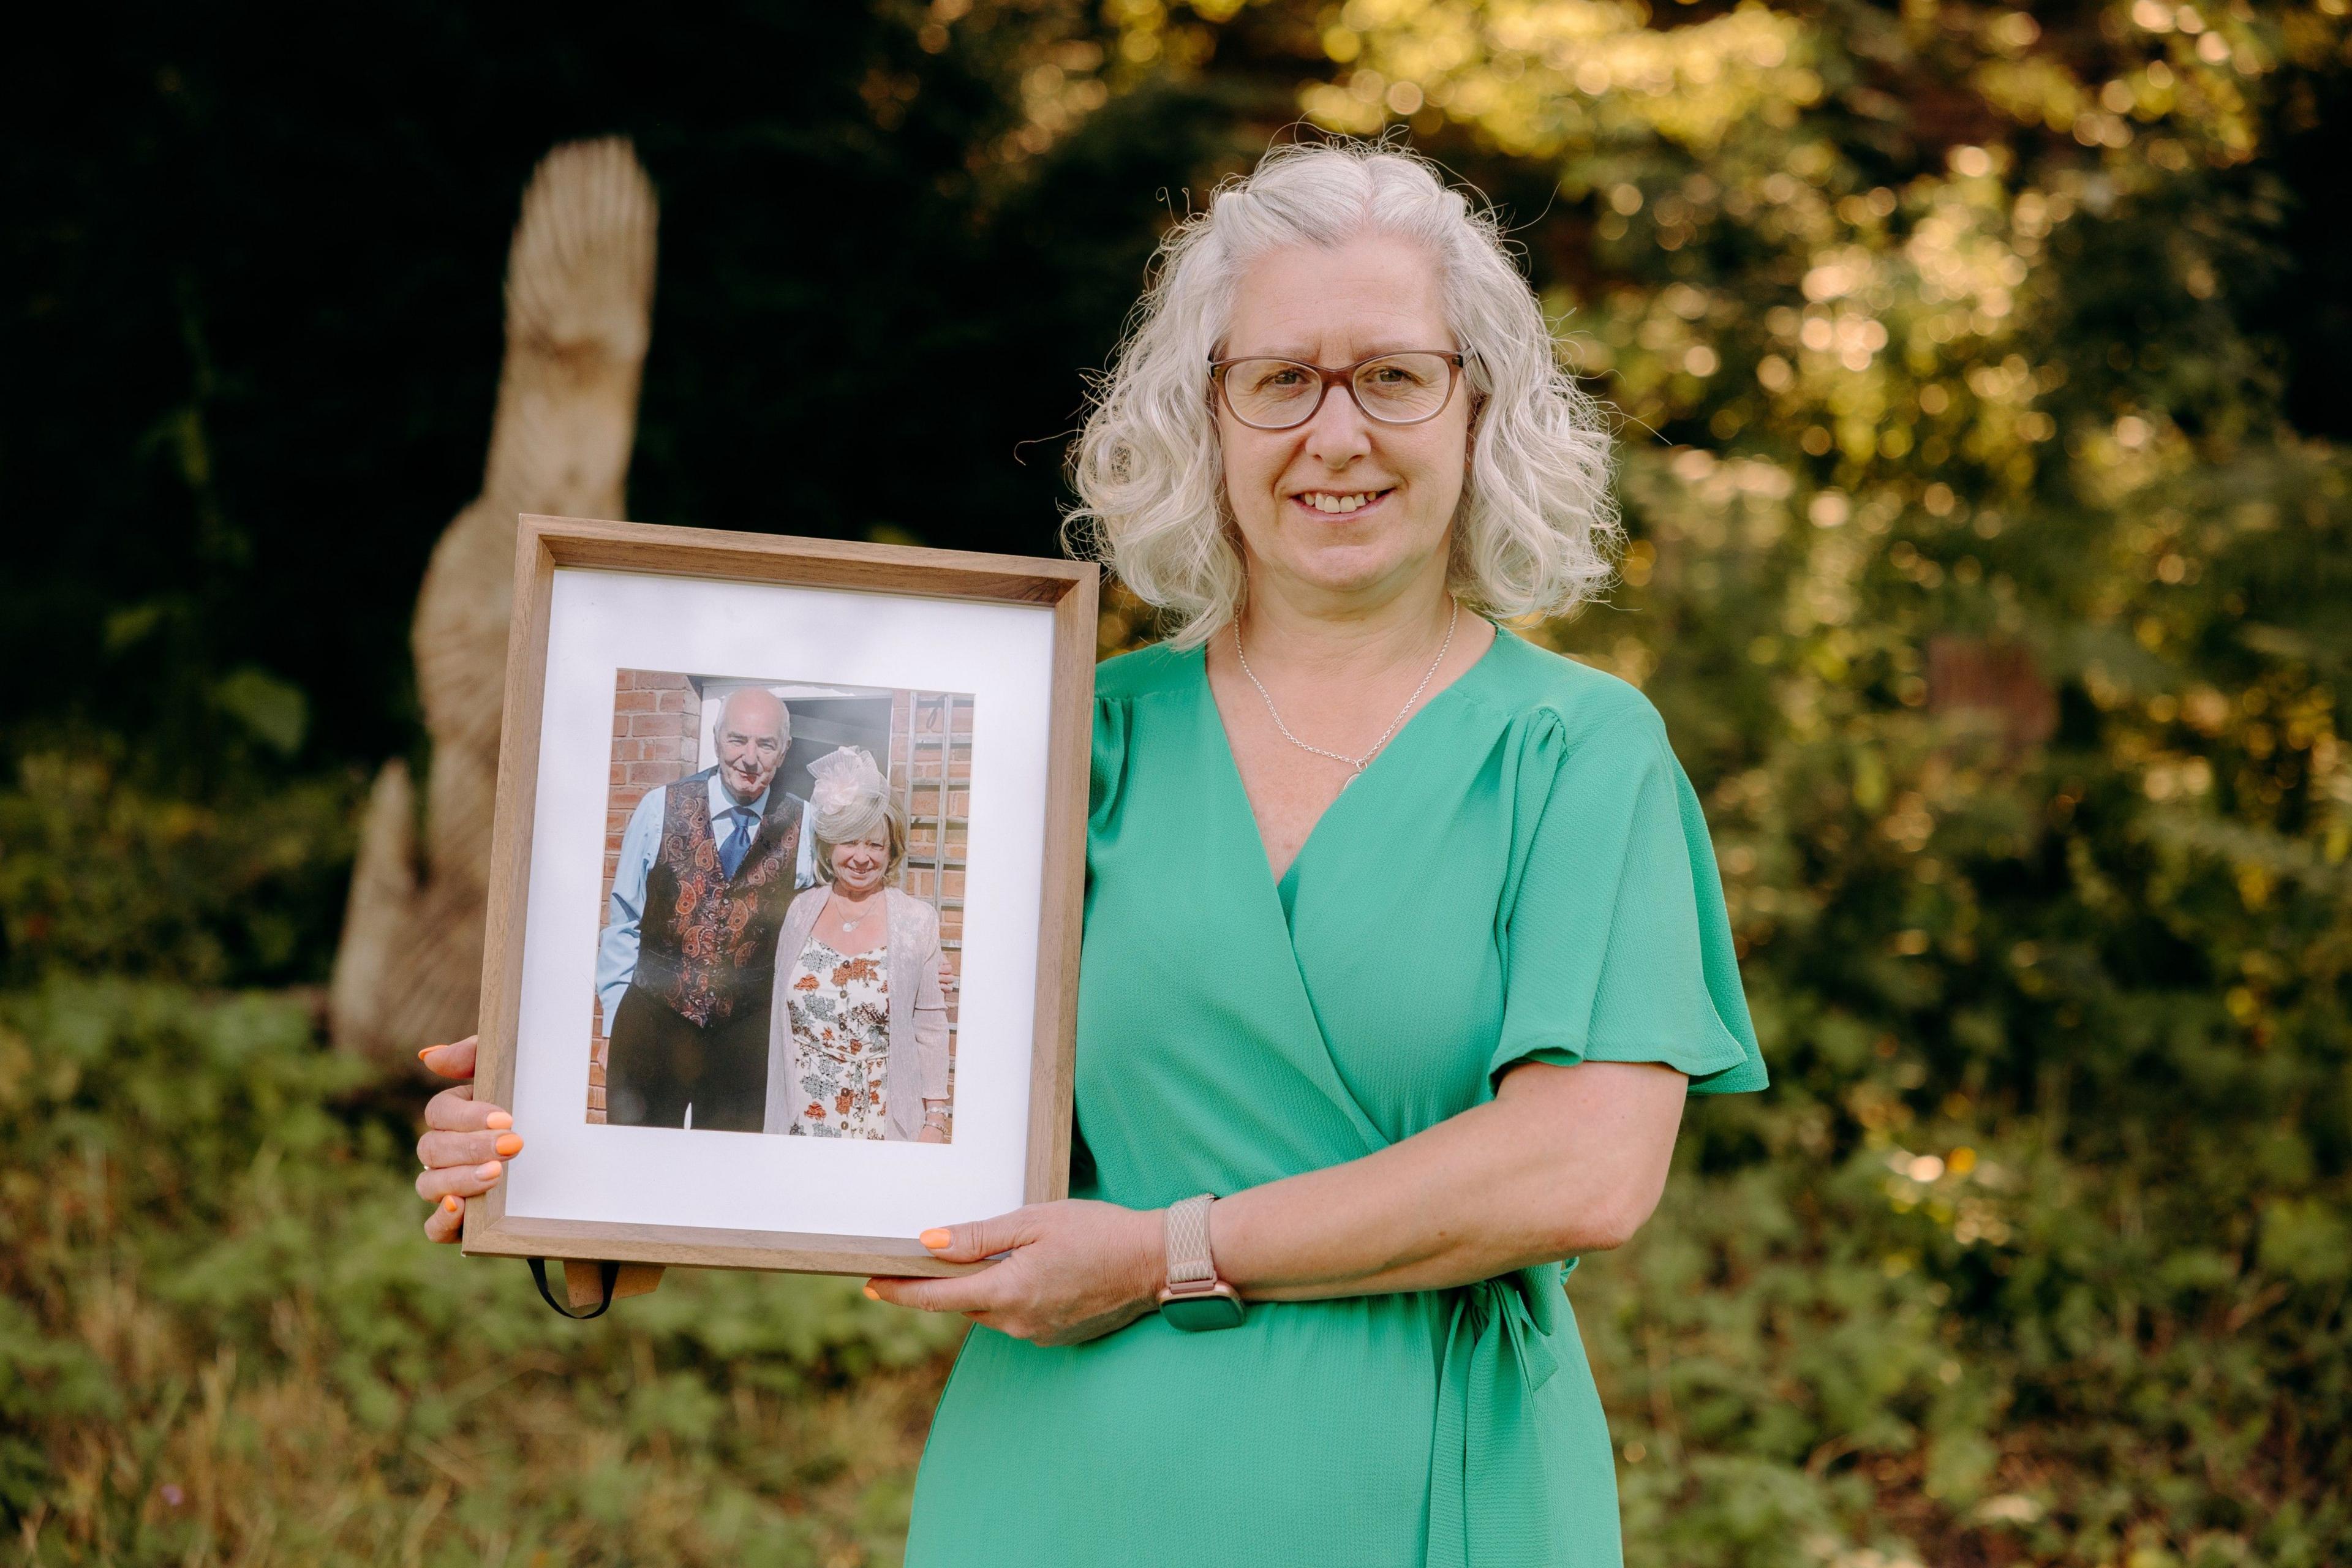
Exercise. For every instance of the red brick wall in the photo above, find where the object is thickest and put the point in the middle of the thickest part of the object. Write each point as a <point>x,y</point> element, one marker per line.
<point>657,723</point>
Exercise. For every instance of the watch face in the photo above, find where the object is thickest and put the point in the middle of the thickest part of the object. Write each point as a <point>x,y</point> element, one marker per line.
<point>1198,1314</point>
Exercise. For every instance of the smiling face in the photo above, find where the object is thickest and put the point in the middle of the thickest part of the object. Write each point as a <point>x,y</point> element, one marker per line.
<point>1343,508</point>
<point>753,731</point>
<point>859,864</point>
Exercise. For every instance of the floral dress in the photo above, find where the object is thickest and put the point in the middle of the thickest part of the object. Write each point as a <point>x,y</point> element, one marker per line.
<point>840,1005</point>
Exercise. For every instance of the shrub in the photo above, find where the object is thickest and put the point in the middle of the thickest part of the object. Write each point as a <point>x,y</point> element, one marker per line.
<point>223,1335</point>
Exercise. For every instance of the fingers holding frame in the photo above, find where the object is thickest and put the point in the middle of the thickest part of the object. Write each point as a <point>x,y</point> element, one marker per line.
<point>463,1131</point>
<point>973,1295</point>
<point>978,1240</point>
<point>456,1111</point>
<point>455,1059</point>
<point>460,1181</point>
<point>447,1223</point>
<point>443,1151</point>
<point>465,1143</point>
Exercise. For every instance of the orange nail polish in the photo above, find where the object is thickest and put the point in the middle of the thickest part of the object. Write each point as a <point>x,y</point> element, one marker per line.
<point>872,1294</point>
<point>427,1052</point>
<point>935,1238</point>
<point>509,1143</point>
<point>497,1121</point>
<point>453,1204</point>
<point>489,1171</point>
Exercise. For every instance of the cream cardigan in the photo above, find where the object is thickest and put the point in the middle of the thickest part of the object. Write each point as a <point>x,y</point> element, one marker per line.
<point>918,1012</point>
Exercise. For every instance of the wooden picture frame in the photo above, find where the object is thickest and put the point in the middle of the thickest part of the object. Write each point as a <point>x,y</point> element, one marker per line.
<point>547,548</point>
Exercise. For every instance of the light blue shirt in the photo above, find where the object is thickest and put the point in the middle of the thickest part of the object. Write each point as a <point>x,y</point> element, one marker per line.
<point>617,949</point>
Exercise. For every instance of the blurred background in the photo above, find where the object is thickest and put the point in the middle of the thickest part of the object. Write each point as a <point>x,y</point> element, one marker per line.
<point>1982,379</point>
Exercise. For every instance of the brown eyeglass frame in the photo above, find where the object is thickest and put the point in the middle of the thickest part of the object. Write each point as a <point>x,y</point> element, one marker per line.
<point>1346,377</point>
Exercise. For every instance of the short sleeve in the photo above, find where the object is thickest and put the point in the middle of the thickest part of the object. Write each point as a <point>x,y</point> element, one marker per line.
<point>1617,943</point>
<point>1107,769</point>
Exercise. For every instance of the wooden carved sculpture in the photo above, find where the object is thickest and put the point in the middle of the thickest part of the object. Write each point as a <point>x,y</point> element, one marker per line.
<point>579,282</point>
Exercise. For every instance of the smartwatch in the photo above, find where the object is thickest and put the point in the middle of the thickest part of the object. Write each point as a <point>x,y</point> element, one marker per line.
<point>1195,1301</point>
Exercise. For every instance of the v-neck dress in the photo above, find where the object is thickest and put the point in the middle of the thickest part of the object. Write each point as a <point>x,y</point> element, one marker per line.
<point>1523,875</point>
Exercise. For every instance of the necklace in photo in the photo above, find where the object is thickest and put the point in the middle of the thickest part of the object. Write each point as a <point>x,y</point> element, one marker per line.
<point>1359,764</point>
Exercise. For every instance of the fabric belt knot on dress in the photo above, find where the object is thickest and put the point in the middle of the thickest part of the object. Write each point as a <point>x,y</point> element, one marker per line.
<point>1487,1495</point>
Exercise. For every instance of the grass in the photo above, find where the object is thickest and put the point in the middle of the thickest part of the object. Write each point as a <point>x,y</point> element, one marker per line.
<point>223,1340</point>
<point>227,1341</point>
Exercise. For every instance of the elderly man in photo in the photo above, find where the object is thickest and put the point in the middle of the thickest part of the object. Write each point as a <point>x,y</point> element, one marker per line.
<point>686,968</point>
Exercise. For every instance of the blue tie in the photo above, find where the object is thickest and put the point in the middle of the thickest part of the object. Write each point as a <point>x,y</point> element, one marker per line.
<point>730,854</point>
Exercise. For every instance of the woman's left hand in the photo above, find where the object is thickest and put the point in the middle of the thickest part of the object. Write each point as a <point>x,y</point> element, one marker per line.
<point>1072,1271</point>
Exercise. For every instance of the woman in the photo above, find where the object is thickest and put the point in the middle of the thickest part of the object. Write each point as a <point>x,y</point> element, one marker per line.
<point>1403,939</point>
<point>849,985</point>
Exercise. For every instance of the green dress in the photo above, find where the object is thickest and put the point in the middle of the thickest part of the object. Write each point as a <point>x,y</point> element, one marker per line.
<point>1523,875</point>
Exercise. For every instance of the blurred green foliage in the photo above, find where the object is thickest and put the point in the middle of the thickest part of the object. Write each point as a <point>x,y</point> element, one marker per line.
<point>224,1338</point>
<point>1989,553</point>
<point>100,873</point>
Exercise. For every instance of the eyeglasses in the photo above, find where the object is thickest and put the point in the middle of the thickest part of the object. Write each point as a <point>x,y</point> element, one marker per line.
<point>1392,389</point>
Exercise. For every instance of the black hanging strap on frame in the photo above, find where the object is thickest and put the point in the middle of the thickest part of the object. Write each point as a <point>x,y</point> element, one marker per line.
<point>607,1271</point>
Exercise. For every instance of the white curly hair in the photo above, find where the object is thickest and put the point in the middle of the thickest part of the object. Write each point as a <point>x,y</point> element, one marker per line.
<point>1537,525</point>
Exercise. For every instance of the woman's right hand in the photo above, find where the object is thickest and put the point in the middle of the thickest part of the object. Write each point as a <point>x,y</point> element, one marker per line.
<point>467,1141</point>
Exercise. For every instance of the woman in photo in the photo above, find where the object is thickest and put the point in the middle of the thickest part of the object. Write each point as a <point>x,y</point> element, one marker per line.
<point>1404,941</point>
<point>857,1046</point>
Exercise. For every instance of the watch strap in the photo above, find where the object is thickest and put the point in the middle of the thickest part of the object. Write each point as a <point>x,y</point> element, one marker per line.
<point>1190,1264</point>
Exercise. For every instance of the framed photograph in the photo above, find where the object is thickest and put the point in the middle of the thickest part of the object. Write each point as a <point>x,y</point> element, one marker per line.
<point>786,893</point>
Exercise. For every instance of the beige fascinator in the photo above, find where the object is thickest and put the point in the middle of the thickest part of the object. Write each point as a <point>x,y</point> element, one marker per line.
<point>845,778</point>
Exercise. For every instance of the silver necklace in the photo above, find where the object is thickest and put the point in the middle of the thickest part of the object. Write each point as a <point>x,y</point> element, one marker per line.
<point>1359,764</point>
<point>845,922</point>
